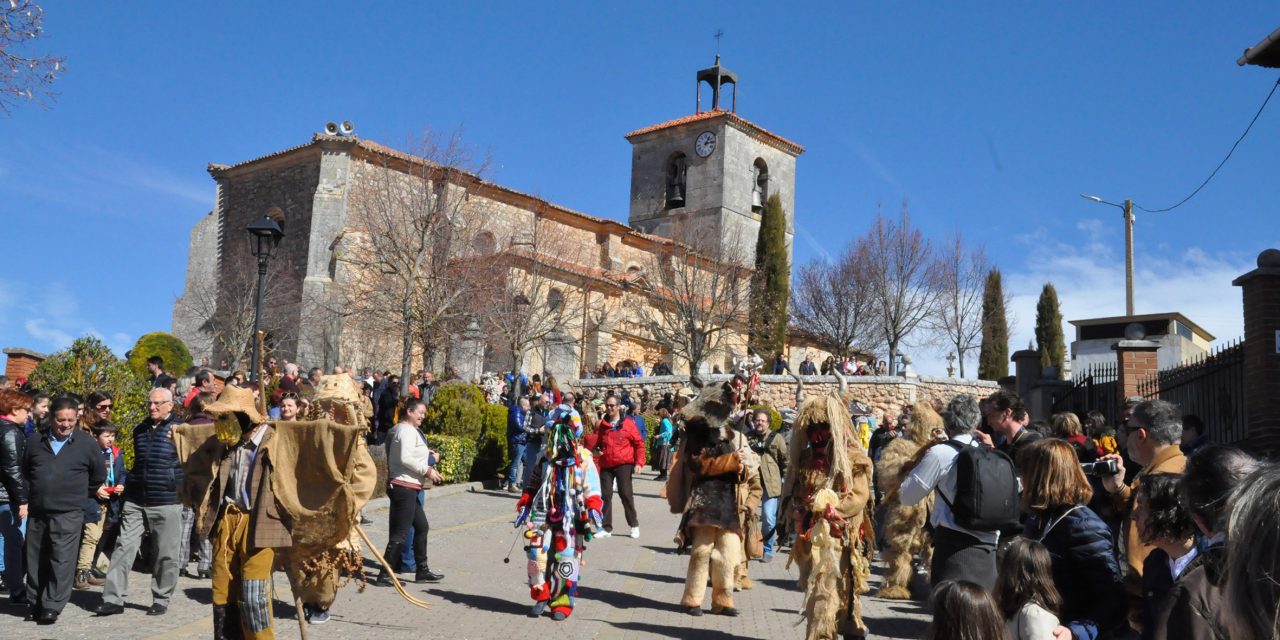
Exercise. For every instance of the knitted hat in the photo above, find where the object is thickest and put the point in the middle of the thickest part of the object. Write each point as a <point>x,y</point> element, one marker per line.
<point>235,400</point>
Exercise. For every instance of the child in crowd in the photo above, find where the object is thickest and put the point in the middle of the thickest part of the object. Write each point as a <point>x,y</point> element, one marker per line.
<point>963,611</point>
<point>1025,593</point>
<point>1163,521</point>
<point>103,509</point>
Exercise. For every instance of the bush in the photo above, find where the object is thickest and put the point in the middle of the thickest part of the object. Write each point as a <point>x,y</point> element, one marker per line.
<point>177,359</point>
<point>88,366</point>
<point>775,418</point>
<point>493,455</point>
<point>457,457</point>
<point>458,409</point>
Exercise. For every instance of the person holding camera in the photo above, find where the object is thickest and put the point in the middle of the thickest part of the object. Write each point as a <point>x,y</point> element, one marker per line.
<point>1151,436</point>
<point>772,450</point>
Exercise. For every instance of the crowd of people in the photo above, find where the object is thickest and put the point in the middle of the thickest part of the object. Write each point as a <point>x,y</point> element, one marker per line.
<point>1057,529</point>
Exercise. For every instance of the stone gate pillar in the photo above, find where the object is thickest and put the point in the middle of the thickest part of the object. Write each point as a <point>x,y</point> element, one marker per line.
<point>1261,292</point>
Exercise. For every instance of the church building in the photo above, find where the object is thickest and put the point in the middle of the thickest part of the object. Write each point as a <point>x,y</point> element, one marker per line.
<point>705,176</point>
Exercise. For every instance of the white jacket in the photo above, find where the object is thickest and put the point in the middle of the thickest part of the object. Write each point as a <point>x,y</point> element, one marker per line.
<point>408,457</point>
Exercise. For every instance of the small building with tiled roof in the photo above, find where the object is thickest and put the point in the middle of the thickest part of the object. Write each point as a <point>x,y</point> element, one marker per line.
<point>700,179</point>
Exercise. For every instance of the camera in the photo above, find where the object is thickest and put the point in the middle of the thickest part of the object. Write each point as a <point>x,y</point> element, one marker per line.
<point>1100,468</point>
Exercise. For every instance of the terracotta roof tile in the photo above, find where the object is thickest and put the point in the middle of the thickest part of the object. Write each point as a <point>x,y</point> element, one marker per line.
<point>735,120</point>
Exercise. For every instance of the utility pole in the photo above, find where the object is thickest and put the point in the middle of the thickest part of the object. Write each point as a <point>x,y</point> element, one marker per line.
<point>1128,257</point>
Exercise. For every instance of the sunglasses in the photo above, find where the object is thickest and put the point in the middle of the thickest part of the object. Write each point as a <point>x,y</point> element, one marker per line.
<point>106,406</point>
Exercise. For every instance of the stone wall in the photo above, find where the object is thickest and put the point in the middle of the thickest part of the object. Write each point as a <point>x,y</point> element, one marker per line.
<point>885,394</point>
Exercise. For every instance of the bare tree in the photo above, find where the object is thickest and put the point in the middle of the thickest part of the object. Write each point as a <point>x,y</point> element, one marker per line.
<point>836,302</point>
<point>703,298</point>
<point>959,272</point>
<point>531,300</point>
<point>24,76</point>
<point>225,310</point>
<point>900,260</point>
<point>411,231</point>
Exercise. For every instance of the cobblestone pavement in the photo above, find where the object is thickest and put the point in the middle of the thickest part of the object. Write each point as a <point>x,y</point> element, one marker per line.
<point>630,589</point>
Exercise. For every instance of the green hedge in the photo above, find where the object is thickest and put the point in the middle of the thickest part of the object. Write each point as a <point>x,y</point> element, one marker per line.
<point>457,457</point>
<point>458,409</point>
<point>177,359</point>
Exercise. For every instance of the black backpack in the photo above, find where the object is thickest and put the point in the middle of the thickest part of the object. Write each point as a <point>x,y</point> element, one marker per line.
<point>986,489</point>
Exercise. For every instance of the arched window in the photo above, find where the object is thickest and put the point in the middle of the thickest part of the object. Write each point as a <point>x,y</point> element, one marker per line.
<point>555,299</point>
<point>484,243</point>
<point>676,167</point>
<point>759,185</point>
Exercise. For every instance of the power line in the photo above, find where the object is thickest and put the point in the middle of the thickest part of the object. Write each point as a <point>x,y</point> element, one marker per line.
<point>1224,160</point>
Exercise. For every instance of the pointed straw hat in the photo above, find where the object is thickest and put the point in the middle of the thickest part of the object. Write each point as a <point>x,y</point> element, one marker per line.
<point>236,400</point>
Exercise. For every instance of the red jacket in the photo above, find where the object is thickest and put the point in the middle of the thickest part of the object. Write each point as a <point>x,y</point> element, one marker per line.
<point>617,446</point>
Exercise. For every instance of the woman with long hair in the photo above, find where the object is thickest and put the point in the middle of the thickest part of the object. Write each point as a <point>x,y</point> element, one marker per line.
<point>1252,593</point>
<point>963,611</point>
<point>1054,494</point>
<point>1025,593</point>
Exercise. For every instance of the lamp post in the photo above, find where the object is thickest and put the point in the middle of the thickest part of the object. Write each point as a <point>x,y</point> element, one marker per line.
<point>1127,208</point>
<point>264,235</point>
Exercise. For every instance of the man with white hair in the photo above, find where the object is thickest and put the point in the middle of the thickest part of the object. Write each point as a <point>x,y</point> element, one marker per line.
<point>959,553</point>
<point>150,502</point>
<point>289,381</point>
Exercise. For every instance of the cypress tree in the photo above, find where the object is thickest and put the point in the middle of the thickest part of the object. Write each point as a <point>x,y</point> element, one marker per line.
<point>771,283</point>
<point>993,356</point>
<point>1049,338</point>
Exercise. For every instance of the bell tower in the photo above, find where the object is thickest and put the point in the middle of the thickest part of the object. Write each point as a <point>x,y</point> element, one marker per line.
<point>704,178</point>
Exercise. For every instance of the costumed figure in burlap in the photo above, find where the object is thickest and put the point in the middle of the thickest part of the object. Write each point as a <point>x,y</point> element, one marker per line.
<point>710,485</point>
<point>829,485</point>
<point>905,536</point>
<point>560,510</point>
<point>257,487</point>
<point>315,572</point>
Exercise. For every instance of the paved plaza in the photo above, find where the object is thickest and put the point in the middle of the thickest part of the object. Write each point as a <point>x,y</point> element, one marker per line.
<point>630,589</point>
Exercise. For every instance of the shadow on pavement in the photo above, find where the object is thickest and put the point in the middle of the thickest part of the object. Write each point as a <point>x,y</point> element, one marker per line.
<point>484,603</point>
<point>670,549</point>
<point>203,595</point>
<point>682,633</point>
<point>786,584</point>
<point>896,627</point>
<point>619,600</point>
<point>652,577</point>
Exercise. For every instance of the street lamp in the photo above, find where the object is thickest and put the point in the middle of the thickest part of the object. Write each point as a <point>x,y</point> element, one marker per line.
<point>1127,208</point>
<point>264,235</point>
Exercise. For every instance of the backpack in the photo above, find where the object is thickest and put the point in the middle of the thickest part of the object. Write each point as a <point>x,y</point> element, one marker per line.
<point>986,489</point>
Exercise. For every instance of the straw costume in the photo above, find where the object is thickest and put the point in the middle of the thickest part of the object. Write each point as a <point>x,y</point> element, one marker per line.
<point>829,483</point>
<point>710,485</point>
<point>905,536</point>
<point>560,510</point>
<point>257,487</point>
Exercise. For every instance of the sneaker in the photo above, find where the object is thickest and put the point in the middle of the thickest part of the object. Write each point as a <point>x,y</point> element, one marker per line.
<point>635,532</point>
<point>603,534</point>
<point>98,573</point>
<point>81,580</point>
<point>767,558</point>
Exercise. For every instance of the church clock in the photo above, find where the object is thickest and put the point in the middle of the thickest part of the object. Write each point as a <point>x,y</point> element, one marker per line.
<point>706,144</point>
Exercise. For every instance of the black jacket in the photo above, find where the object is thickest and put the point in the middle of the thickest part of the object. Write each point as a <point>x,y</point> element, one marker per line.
<point>156,473</point>
<point>13,484</point>
<point>61,483</point>
<point>1085,570</point>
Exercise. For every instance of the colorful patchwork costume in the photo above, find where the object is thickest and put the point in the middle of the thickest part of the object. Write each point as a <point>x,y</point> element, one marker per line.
<point>560,510</point>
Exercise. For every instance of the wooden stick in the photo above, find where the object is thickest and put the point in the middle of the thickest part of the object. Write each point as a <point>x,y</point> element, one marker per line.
<point>302,618</point>
<point>394,579</point>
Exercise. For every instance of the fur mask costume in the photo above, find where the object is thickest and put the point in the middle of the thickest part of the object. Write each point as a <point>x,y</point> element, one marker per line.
<point>905,536</point>
<point>711,486</point>
<point>829,485</point>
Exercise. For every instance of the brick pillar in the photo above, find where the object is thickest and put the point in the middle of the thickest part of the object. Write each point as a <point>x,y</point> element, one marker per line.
<point>1261,292</point>
<point>21,362</point>
<point>1136,362</point>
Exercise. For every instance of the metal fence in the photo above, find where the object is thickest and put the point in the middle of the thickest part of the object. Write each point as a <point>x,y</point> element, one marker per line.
<point>1096,388</point>
<point>1211,387</point>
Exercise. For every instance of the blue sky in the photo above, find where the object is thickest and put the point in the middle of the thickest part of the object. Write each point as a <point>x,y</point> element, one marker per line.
<point>987,119</point>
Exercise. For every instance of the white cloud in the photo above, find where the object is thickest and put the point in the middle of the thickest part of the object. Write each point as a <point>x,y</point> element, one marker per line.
<point>49,336</point>
<point>1089,279</point>
<point>49,320</point>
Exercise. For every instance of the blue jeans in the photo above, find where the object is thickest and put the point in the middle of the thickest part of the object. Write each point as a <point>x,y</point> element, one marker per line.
<point>12,533</point>
<point>517,450</point>
<point>768,523</point>
<point>530,461</point>
<point>407,561</point>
